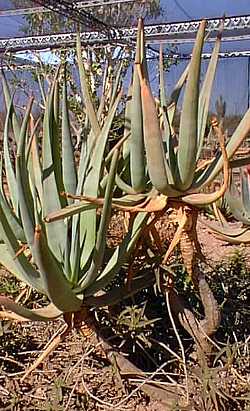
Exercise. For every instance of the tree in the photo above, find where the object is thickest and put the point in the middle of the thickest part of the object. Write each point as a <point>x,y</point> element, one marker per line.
<point>96,59</point>
<point>114,15</point>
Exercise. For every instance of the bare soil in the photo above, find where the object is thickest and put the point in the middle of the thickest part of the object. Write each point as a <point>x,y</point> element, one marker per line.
<point>75,377</point>
<point>217,251</point>
<point>72,378</point>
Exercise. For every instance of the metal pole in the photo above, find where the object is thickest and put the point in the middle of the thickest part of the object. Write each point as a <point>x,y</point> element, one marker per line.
<point>248,82</point>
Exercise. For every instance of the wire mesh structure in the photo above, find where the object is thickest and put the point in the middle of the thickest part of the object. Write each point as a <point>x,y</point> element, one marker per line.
<point>77,14</point>
<point>20,51</point>
<point>235,28</point>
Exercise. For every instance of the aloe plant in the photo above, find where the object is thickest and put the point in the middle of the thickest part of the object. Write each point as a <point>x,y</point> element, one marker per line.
<point>175,171</point>
<point>153,172</point>
<point>53,235</point>
<point>64,259</point>
<point>239,206</point>
<point>175,177</point>
<point>150,161</point>
<point>168,172</point>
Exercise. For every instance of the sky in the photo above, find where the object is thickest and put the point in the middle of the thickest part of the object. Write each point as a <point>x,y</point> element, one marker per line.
<point>233,75</point>
<point>173,10</point>
<point>194,9</point>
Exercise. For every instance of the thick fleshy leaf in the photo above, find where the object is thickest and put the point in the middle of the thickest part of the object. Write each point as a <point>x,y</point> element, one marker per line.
<point>36,170</point>
<point>155,155</point>
<point>127,125</point>
<point>172,104</point>
<point>89,178</point>
<point>23,183</point>
<point>117,83</point>
<point>119,256</point>
<point>241,239</point>
<point>174,97</point>
<point>14,260</point>
<point>91,186</point>
<point>9,169</point>
<point>41,87</point>
<point>231,235</point>
<point>103,94</point>
<point>167,128</point>
<point>123,186</point>
<point>188,123</point>
<point>226,229</point>
<point>169,134</point>
<point>91,113</point>
<point>52,200</point>
<point>55,141</point>
<point>24,314</point>
<point>245,187</point>
<point>201,180</point>
<point>12,220</point>
<point>69,211</point>
<point>202,199</point>
<point>208,198</point>
<point>85,157</point>
<point>103,226</point>
<point>236,205</point>
<point>206,91</point>
<point>156,160</point>
<point>129,200</point>
<point>7,96</point>
<point>68,162</point>
<point>136,141</point>
<point>56,286</point>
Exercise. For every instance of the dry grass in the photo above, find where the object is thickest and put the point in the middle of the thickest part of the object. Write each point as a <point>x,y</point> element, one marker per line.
<point>74,377</point>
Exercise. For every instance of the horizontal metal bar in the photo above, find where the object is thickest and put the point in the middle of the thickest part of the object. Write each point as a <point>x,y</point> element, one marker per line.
<point>190,40</point>
<point>205,56</point>
<point>79,15</point>
<point>235,28</point>
<point>20,64</point>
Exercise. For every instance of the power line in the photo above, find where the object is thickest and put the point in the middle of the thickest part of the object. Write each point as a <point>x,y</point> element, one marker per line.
<point>236,28</point>
<point>78,5</point>
<point>70,10</point>
<point>186,14</point>
<point>180,7</point>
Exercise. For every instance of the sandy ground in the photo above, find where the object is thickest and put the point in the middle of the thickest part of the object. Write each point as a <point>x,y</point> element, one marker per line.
<point>217,251</point>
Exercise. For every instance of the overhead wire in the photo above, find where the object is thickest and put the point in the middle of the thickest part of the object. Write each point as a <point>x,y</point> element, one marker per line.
<point>78,4</point>
<point>70,10</point>
<point>181,8</point>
